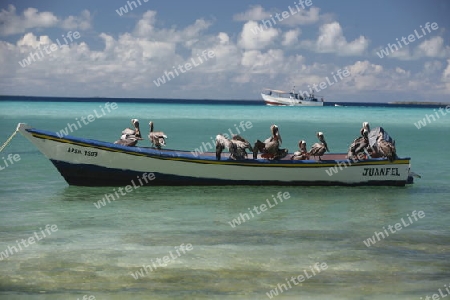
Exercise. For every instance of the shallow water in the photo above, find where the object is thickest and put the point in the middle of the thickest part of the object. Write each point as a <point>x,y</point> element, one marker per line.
<point>95,251</point>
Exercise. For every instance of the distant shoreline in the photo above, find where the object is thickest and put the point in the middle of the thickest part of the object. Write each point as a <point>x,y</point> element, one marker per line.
<point>256,102</point>
<point>418,103</point>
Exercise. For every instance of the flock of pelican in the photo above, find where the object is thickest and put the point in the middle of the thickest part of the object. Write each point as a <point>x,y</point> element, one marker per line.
<point>362,148</point>
<point>130,137</point>
<point>270,147</point>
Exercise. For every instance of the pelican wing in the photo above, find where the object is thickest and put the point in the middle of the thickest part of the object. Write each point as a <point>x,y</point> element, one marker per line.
<point>317,149</point>
<point>128,131</point>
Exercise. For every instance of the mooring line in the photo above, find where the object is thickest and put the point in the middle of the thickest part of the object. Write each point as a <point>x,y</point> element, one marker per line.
<point>9,140</point>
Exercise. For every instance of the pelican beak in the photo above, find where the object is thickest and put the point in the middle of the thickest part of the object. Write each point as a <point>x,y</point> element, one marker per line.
<point>279,137</point>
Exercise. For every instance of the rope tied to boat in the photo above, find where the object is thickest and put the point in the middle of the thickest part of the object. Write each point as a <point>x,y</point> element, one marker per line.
<point>9,139</point>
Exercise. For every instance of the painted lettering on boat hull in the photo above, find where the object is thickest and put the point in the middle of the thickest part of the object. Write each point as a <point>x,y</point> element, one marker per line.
<point>370,172</point>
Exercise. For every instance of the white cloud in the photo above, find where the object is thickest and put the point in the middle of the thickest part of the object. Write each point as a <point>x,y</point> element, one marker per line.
<point>432,67</point>
<point>331,40</point>
<point>145,26</point>
<point>430,48</point>
<point>254,13</point>
<point>401,54</point>
<point>224,38</point>
<point>291,37</point>
<point>227,54</point>
<point>127,62</point>
<point>446,77</point>
<point>400,70</point>
<point>243,63</point>
<point>259,62</point>
<point>250,41</point>
<point>31,18</point>
<point>32,41</point>
<point>446,73</point>
<point>82,22</point>
<point>303,17</point>
<point>361,68</point>
<point>367,76</point>
<point>433,47</point>
<point>294,18</point>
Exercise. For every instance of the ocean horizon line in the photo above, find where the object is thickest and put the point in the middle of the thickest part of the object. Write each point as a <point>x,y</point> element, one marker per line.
<point>258,102</point>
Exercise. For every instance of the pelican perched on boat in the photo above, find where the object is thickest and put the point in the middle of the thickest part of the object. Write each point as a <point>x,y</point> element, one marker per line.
<point>157,138</point>
<point>271,146</point>
<point>359,145</point>
<point>241,146</point>
<point>365,126</point>
<point>221,143</point>
<point>136,132</point>
<point>386,148</point>
<point>127,140</point>
<point>258,147</point>
<point>275,135</point>
<point>319,149</point>
<point>129,136</point>
<point>302,153</point>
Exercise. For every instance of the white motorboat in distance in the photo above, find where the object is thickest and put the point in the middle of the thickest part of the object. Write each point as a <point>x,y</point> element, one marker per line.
<point>283,98</point>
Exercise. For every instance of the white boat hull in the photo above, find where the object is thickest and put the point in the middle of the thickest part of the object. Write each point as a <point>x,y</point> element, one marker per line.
<point>94,163</point>
<point>285,101</point>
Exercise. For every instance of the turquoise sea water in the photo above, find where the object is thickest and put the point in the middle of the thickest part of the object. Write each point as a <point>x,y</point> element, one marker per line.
<point>95,251</point>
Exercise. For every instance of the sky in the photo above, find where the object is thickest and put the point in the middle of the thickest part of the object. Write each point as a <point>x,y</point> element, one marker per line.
<point>229,50</point>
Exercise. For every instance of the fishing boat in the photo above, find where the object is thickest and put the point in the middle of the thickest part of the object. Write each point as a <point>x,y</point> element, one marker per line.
<point>88,162</point>
<point>283,98</point>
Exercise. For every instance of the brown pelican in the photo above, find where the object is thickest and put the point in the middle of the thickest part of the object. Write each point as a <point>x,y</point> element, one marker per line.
<point>127,140</point>
<point>385,148</point>
<point>318,149</point>
<point>136,132</point>
<point>258,147</point>
<point>302,153</point>
<point>270,147</point>
<point>275,134</point>
<point>365,126</point>
<point>158,138</point>
<point>359,145</point>
<point>241,145</point>
<point>222,143</point>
